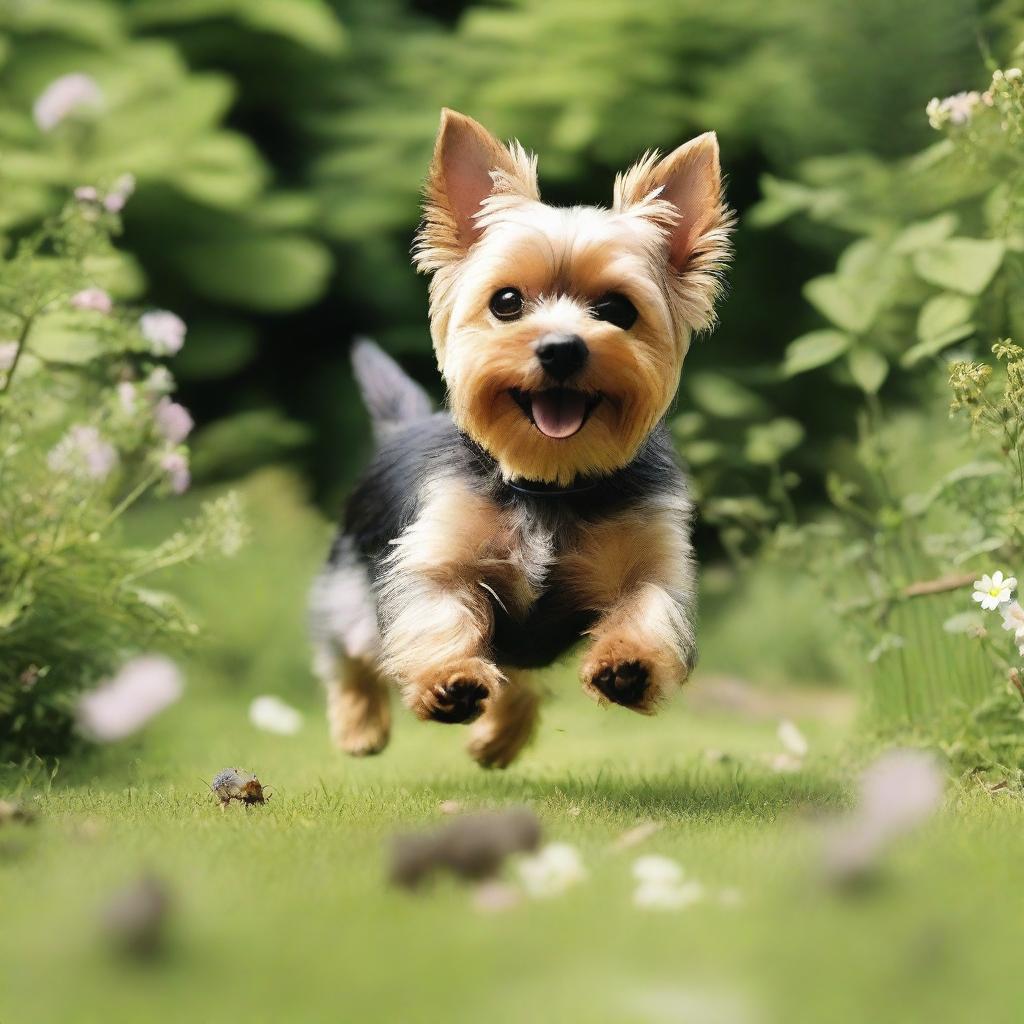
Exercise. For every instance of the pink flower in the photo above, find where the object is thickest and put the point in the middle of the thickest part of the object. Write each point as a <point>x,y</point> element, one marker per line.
<point>63,97</point>
<point>82,452</point>
<point>899,792</point>
<point>127,395</point>
<point>119,194</point>
<point>1013,619</point>
<point>142,689</point>
<point>92,298</point>
<point>164,331</point>
<point>87,194</point>
<point>175,465</point>
<point>172,420</point>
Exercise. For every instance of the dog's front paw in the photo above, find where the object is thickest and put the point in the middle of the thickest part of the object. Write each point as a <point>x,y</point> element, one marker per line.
<point>635,679</point>
<point>455,694</point>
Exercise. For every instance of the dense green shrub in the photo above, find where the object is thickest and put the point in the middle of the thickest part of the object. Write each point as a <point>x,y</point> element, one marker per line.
<point>87,428</point>
<point>922,508</point>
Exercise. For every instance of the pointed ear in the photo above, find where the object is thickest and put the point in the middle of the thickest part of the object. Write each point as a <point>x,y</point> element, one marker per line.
<point>469,165</point>
<point>690,182</point>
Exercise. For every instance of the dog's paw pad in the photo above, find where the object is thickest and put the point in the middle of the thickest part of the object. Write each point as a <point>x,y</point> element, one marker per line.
<point>623,683</point>
<point>458,702</point>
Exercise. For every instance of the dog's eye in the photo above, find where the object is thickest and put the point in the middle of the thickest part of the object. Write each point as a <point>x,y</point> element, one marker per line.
<point>616,309</point>
<point>507,304</point>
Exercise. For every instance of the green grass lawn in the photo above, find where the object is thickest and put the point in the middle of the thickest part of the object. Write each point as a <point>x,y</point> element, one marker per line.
<point>283,912</point>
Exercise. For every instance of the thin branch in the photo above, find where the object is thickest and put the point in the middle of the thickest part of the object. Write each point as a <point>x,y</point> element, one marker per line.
<point>940,586</point>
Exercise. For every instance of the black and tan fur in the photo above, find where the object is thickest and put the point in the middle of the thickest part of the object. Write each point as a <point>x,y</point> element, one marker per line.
<point>478,546</point>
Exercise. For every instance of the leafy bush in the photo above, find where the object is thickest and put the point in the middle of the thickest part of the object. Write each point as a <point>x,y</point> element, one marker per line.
<point>87,427</point>
<point>921,508</point>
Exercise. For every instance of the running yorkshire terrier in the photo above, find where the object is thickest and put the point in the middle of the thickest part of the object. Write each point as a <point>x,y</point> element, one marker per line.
<point>547,505</point>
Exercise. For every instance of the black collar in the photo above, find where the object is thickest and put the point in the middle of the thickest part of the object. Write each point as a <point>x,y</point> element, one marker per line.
<point>539,489</point>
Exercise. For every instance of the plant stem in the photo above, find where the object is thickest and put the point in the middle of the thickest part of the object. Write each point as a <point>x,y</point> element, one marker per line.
<point>26,326</point>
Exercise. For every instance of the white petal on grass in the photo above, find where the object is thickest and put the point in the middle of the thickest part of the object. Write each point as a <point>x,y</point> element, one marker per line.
<point>657,870</point>
<point>121,706</point>
<point>792,739</point>
<point>273,715</point>
<point>553,869</point>
<point>660,896</point>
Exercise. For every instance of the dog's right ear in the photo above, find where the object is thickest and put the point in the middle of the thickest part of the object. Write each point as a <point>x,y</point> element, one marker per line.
<point>469,165</point>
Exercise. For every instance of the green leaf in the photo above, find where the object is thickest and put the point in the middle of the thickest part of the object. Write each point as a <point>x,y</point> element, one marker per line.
<point>813,350</point>
<point>243,442</point>
<point>960,264</point>
<point>768,442</point>
<point>840,299</point>
<point>62,338</point>
<point>868,369</point>
<point>925,233</point>
<point>942,314</point>
<point>933,346</point>
<point>721,396</point>
<point>262,272</point>
<point>310,23</point>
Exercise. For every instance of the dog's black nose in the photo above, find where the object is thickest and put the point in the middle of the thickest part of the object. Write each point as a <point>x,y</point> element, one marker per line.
<point>562,355</point>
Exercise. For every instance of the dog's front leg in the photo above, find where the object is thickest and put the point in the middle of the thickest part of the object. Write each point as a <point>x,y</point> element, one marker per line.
<point>642,649</point>
<point>636,571</point>
<point>435,613</point>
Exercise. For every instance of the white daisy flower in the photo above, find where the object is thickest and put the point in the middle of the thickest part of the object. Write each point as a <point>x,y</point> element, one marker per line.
<point>992,591</point>
<point>273,715</point>
<point>1013,619</point>
<point>552,870</point>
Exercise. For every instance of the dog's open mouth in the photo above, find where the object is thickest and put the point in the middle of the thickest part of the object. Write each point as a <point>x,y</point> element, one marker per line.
<point>556,412</point>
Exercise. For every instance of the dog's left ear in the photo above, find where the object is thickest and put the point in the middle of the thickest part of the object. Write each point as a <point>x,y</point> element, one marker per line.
<point>689,180</point>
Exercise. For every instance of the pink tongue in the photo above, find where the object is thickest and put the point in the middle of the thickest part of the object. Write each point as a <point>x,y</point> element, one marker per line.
<point>559,413</point>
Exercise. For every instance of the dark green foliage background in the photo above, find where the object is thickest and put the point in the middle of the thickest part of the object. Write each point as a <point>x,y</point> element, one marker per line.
<point>280,144</point>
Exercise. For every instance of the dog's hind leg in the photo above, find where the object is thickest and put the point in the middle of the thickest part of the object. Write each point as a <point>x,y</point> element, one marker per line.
<point>507,725</point>
<point>358,710</point>
<point>343,622</point>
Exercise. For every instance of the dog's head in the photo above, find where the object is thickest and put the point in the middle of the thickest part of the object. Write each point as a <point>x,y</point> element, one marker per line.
<point>561,333</point>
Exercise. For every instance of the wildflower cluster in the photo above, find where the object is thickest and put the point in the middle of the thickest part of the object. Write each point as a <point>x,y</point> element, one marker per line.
<point>994,593</point>
<point>88,426</point>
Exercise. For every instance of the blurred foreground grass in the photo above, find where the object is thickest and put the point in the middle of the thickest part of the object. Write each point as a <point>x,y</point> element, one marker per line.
<point>282,913</point>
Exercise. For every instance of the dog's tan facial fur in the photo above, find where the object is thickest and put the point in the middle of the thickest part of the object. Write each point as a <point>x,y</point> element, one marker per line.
<point>661,245</point>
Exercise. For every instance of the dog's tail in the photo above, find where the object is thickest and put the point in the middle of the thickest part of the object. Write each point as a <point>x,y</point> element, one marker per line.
<point>392,397</point>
